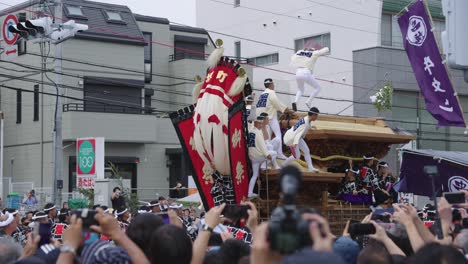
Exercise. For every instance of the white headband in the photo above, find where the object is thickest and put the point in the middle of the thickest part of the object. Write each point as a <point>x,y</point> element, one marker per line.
<point>34,218</point>
<point>353,171</point>
<point>177,206</point>
<point>50,208</point>
<point>8,221</point>
<point>367,158</point>
<point>13,213</point>
<point>143,212</point>
<point>383,165</point>
<point>121,213</point>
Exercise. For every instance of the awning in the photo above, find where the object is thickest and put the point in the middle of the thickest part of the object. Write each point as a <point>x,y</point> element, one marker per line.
<point>452,167</point>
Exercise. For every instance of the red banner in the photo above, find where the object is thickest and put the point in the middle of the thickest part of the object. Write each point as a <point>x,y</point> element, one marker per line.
<point>183,123</point>
<point>240,163</point>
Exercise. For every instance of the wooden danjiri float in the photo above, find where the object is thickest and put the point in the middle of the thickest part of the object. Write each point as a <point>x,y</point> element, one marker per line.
<point>336,140</point>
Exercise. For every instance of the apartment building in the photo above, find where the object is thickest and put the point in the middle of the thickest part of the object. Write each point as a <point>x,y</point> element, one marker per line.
<point>116,86</point>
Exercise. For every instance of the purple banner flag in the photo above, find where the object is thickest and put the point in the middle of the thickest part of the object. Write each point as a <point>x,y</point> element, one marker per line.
<point>453,177</point>
<point>430,72</point>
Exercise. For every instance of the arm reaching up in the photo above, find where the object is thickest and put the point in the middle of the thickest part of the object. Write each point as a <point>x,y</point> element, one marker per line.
<point>109,226</point>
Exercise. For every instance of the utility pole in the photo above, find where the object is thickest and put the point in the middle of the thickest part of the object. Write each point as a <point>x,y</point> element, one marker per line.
<point>44,30</point>
<point>58,143</point>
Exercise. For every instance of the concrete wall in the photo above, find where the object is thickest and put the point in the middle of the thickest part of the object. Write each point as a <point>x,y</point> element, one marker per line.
<point>248,23</point>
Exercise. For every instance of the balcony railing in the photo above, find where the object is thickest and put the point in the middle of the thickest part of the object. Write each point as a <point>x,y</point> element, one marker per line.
<point>105,108</point>
<point>186,55</point>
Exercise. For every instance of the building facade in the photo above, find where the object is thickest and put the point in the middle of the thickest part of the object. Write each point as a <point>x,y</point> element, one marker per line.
<point>115,85</point>
<point>267,33</point>
<point>366,52</point>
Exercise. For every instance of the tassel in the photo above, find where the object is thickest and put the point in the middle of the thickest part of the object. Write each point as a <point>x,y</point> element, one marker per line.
<point>216,55</point>
<point>196,89</point>
<point>238,85</point>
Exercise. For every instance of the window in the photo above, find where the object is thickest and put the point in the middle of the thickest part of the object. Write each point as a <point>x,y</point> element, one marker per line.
<point>391,34</point>
<point>148,36</point>
<point>236,3</point>
<point>36,103</point>
<point>316,42</point>
<point>189,50</point>
<point>19,101</point>
<point>74,11</point>
<point>265,60</point>
<point>386,30</point>
<point>112,95</point>
<point>237,49</point>
<point>114,17</point>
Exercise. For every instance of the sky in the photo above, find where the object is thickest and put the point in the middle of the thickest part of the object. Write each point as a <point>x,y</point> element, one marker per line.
<point>180,11</point>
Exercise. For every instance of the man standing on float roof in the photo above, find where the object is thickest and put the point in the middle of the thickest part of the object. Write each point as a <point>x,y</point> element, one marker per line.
<point>305,60</point>
<point>294,138</point>
<point>269,103</point>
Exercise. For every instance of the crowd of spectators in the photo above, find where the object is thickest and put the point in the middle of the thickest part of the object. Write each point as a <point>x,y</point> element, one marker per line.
<point>166,232</point>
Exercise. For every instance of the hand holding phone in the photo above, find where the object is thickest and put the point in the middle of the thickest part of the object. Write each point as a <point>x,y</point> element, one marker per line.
<point>87,216</point>
<point>361,229</point>
<point>455,197</point>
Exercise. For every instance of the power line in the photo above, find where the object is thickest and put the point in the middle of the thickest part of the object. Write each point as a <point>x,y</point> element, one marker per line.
<point>189,94</point>
<point>295,17</point>
<point>116,33</point>
<point>101,93</point>
<point>343,9</point>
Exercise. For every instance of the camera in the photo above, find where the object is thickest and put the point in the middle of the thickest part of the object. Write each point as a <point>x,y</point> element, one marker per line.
<point>287,231</point>
<point>87,216</point>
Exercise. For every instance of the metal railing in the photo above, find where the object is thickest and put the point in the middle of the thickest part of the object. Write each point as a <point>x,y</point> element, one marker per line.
<point>185,55</point>
<point>105,108</point>
<point>148,194</point>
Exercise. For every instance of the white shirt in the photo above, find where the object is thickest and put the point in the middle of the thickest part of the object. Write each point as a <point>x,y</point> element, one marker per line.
<point>269,103</point>
<point>257,145</point>
<point>298,131</point>
<point>307,59</point>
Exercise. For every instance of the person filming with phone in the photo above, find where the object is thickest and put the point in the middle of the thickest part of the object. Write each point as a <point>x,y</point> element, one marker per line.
<point>117,199</point>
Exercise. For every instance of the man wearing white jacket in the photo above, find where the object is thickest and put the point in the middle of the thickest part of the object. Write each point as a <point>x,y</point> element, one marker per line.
<point>258,152</point>
<point>269,103</point>
<point>294,138</point>
<point>305,60</point>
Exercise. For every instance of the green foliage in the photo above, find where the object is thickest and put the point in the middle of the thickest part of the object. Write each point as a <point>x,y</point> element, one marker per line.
<point>89,194</point>
<point>131,199</point>
<point>79,203</point>
<point>383,98</point>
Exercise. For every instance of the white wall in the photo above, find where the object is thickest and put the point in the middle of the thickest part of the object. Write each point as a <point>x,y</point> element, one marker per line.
<point>247,23</point>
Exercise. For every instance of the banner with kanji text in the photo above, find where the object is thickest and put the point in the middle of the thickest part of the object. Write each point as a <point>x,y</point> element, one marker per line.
<point>429,68</point>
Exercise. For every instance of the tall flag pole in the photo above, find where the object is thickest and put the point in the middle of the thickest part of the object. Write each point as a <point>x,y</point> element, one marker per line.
<point>429,69</point>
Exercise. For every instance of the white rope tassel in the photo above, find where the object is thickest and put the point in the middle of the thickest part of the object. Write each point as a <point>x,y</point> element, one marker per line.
<point>196,92</point>
<point>239,83</point>
<point>214,57</point>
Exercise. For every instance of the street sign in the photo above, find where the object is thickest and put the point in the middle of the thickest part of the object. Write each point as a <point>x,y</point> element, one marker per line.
<point>86,157</point>
<point>10,50</point>
<point>85,182</point>
<point>8,37</point>
<point>89,160</point>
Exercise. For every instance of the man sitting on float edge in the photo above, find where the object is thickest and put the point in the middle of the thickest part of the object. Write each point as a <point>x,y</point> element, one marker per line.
<point>294,138</point>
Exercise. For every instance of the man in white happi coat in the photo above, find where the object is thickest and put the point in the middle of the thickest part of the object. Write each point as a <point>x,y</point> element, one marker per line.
<point>294,138</point>
<point>258,152</point>
<point>305,60</point>
<point>269,103</point>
